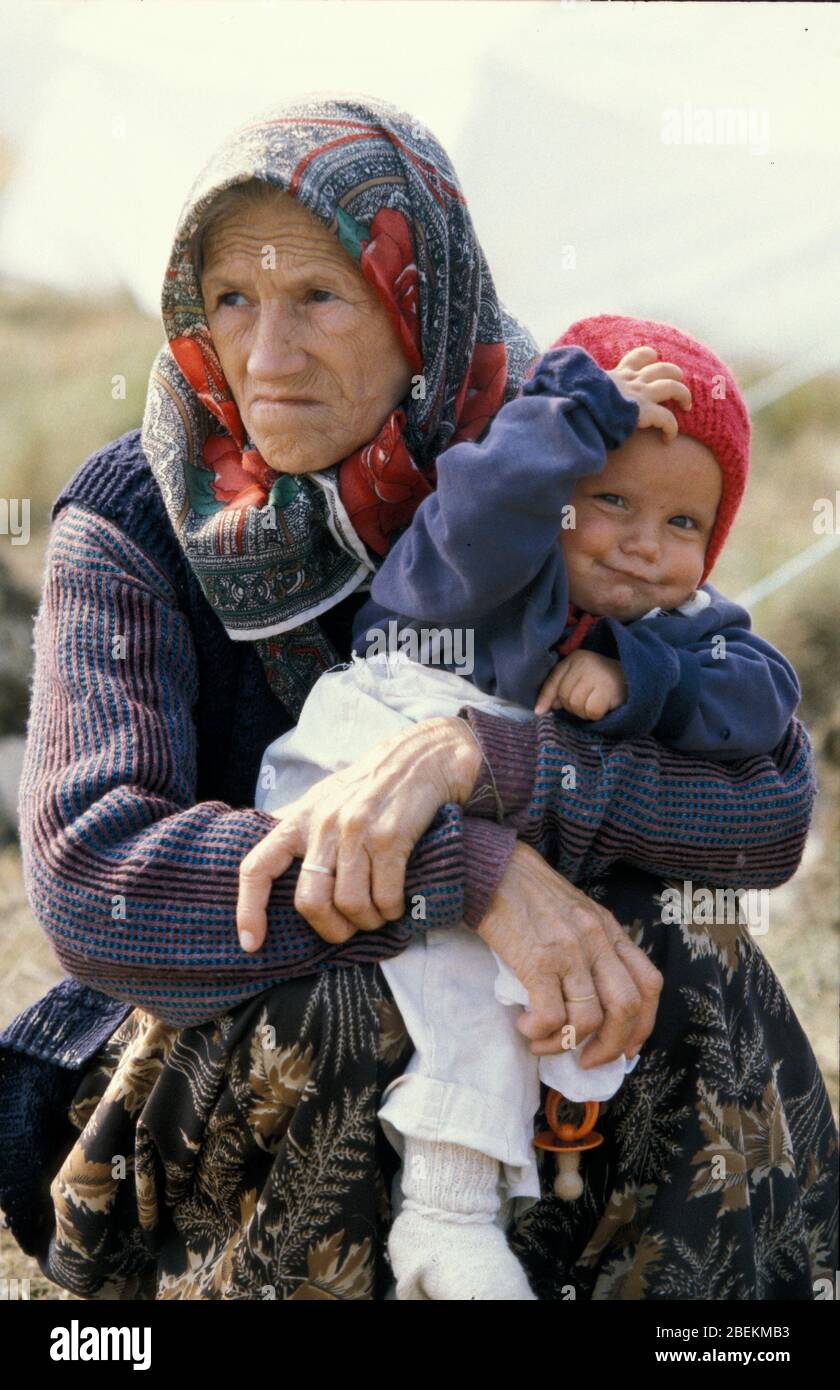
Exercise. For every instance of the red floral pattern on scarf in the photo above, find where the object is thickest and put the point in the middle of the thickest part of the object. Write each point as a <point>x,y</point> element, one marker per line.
<point>240,476</point>
<point>381,486</point>
<point>387,262</point>
<point>482,391</point>
<point>199,361</point>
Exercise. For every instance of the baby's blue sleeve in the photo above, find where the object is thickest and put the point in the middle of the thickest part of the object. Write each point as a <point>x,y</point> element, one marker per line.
<point>492,524</point>
<point>705,684</point>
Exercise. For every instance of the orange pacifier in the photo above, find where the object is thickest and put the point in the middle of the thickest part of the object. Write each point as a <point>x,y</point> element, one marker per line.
<point>567,1142</point>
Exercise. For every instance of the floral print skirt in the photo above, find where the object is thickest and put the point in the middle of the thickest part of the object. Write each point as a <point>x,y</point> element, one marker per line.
<point>242,1159</point>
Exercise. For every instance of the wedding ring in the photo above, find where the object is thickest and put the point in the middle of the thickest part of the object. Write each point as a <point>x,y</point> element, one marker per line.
<point>319,869</point>
<point>578,998</point>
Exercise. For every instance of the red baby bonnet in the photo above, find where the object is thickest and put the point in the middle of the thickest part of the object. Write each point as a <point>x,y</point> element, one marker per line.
<point>718,417</point>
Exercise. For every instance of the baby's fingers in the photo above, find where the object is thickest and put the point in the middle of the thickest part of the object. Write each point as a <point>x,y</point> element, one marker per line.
<point>638,357</point>
<point>658,418</point>
<point>660,369</point>
<point>550,689</point>
<point>576,699</point>
<point>669,390</point>
<point>596,703</point>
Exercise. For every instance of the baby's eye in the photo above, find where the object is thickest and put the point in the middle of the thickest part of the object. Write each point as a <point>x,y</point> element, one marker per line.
<point>610,497</point>
<point>676,520</point>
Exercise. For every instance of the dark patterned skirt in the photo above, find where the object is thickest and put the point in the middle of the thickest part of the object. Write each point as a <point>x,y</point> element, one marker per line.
<point>242,1159</point>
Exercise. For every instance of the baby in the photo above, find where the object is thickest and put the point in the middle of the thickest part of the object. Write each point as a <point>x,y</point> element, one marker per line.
<point>567,553</point>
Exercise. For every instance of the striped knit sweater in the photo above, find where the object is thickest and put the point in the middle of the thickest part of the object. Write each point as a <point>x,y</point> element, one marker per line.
<point>135,797</point>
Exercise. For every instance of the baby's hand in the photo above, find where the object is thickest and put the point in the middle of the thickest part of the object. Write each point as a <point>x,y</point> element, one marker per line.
<point>642,378</point>
<point>584,684</point>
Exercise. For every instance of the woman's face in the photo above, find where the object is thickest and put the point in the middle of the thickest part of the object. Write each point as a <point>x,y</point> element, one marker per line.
<point>304,341</point>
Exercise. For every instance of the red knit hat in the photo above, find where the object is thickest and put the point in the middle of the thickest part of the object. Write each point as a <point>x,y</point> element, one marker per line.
<point>718,417</point>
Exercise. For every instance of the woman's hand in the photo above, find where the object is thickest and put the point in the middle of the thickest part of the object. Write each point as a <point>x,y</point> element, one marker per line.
<point>642,378</point>
<point>575,961</point>
<point>361,824</point>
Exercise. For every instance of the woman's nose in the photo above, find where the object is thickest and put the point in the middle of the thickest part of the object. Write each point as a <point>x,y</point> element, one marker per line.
<point>276,349</point>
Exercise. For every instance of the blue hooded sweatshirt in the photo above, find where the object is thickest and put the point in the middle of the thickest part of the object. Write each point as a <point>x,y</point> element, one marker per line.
<point>482,554</point>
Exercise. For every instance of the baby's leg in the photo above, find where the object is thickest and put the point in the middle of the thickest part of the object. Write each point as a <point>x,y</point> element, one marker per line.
<point>462,1117</point>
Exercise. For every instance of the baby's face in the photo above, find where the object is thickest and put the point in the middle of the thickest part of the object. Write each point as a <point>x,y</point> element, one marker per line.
<point>642,526</point>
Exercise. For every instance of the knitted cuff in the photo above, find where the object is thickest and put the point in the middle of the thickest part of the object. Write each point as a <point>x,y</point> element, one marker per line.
<point>506,781</point>
<point>572,372</point>
<point>450,1178</point>
<point>487,850</point>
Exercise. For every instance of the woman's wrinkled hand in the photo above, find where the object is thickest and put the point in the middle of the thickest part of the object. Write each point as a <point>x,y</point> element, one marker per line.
<point>360,824</point>
<point>575,961</point>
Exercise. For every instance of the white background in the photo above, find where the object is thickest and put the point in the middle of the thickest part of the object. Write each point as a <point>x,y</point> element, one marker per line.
<point>552,114</point>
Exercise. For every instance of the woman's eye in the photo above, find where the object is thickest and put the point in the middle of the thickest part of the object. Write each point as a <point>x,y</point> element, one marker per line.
<point>328,293</point>
<point>230,294</point>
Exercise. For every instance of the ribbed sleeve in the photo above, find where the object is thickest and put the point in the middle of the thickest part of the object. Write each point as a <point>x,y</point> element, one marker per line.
<point>586,802</point>
<point>133,880</point>
<point>487,849</point>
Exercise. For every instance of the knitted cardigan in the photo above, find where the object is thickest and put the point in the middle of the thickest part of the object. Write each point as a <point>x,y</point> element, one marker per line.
<point>145,737</point>
<point>146,731</point>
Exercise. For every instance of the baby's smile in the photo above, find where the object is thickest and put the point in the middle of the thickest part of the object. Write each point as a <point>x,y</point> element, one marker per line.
<point>622,590</point>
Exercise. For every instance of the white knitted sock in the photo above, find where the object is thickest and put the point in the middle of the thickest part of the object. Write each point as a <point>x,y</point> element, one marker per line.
<point>445,1243</point>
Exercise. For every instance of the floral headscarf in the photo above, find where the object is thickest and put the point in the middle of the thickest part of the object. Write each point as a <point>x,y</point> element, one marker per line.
<point>273,551</point>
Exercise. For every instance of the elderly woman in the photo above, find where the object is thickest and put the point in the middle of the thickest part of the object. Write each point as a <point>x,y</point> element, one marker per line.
<point>188,1116</point>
